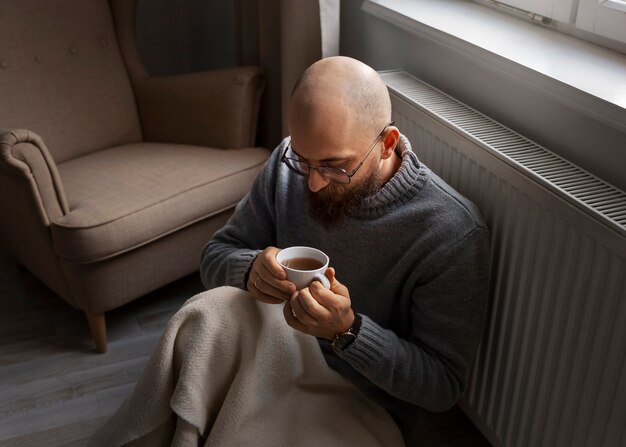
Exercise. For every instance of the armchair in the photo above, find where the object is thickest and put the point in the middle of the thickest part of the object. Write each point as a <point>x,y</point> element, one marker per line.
<point>111,180</point>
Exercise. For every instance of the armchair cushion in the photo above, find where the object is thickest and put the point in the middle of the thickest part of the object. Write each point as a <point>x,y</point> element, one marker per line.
<point>125,197</point>
<point>215,108</point>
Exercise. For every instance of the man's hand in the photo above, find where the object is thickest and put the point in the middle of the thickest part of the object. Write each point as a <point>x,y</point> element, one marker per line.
<point>321,312</point>
<point>267,281</point>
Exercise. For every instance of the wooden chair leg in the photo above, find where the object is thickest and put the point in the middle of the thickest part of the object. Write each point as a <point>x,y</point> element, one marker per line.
<point>97,326</point>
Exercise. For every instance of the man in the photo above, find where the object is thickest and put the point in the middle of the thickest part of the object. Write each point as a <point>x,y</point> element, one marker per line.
<point>405,312</point>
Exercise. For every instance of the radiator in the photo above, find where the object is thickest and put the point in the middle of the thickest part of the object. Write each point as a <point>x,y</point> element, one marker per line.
<point>551,368</point>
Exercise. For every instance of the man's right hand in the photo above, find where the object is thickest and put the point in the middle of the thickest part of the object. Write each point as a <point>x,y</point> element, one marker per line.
<point>268,281</point>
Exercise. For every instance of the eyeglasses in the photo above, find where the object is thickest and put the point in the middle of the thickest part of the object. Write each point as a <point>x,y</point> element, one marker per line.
<point>302,167</point>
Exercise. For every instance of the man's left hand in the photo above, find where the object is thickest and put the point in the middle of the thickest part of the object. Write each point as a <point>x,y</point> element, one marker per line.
<point>321,312</point>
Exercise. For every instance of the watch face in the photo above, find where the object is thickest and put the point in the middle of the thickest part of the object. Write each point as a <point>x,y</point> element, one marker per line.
<point>342,341</point>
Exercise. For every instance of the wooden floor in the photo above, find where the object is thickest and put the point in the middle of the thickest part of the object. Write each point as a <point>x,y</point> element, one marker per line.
<point>55,390</point>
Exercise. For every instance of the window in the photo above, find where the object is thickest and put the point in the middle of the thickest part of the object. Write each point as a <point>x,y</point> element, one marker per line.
<point>605,18</point>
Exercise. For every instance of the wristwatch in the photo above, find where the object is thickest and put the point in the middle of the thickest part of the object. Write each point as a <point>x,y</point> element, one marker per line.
<point>344,339</point>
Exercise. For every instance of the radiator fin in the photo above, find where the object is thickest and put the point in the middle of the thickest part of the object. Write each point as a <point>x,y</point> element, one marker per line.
<point>582,188</point>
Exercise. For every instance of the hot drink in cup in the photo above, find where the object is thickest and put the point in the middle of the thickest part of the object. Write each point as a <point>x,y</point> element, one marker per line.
<point>304,265</point>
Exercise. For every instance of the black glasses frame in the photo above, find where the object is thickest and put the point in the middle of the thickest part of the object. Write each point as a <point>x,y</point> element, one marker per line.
<point>323,170</point>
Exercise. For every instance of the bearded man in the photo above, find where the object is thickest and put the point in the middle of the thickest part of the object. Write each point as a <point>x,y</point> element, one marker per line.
<point>410,254</point>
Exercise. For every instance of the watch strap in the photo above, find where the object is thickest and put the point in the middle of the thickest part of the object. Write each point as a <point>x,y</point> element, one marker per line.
<point>344,339</point>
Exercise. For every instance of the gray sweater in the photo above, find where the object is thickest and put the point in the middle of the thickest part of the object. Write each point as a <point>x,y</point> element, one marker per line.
<point>414,259</point>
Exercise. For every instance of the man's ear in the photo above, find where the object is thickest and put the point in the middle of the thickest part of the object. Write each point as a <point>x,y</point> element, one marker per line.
<point>390,141</point>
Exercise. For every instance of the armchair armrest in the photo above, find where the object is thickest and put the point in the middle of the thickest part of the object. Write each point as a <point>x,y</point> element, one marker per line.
<point>216,108</point>
<point>26,164</point>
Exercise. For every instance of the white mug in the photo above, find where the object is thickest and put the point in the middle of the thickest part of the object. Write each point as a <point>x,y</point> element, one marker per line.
<point>304,265</point>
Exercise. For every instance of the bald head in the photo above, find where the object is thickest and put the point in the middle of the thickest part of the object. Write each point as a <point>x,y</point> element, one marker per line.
<point>340,92</point>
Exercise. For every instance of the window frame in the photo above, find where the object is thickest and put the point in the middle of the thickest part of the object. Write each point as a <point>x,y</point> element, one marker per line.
<point>605,18</point>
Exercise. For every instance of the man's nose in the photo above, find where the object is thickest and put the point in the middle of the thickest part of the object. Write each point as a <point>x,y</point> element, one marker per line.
<point>316,181</point>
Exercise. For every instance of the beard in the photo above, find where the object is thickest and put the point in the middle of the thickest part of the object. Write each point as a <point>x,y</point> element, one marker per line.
<point>332,204</point>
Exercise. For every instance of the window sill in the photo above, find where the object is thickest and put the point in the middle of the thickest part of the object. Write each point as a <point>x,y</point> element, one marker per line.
<point>584,76</point>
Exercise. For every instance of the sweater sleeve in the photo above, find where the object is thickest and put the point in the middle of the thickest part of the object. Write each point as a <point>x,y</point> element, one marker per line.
<point>448,312</point>
<point>227,258</point>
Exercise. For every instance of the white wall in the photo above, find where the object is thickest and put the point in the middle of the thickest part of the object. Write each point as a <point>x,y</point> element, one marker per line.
<point>597,147</point>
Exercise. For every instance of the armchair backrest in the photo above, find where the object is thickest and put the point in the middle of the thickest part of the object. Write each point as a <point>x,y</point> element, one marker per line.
<point>63,77</point>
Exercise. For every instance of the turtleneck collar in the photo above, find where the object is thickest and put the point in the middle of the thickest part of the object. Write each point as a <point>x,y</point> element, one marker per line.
<point>401,188</point>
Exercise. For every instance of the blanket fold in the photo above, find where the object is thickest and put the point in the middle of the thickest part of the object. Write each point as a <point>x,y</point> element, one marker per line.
<point>229,371</point>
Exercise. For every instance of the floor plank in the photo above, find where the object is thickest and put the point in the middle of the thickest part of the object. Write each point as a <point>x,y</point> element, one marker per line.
<point>54,389</point>
<point>73,434</point>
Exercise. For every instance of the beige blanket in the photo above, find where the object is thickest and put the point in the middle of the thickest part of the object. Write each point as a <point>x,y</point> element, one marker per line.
<point>228,371</point>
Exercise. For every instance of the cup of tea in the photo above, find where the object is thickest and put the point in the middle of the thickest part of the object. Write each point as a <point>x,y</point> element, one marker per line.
<point>304,265</point>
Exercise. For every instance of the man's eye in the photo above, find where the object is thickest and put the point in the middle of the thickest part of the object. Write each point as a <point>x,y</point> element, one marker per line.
<point>330,167</point>
<point>341,165</point>
<point>304,166</point>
